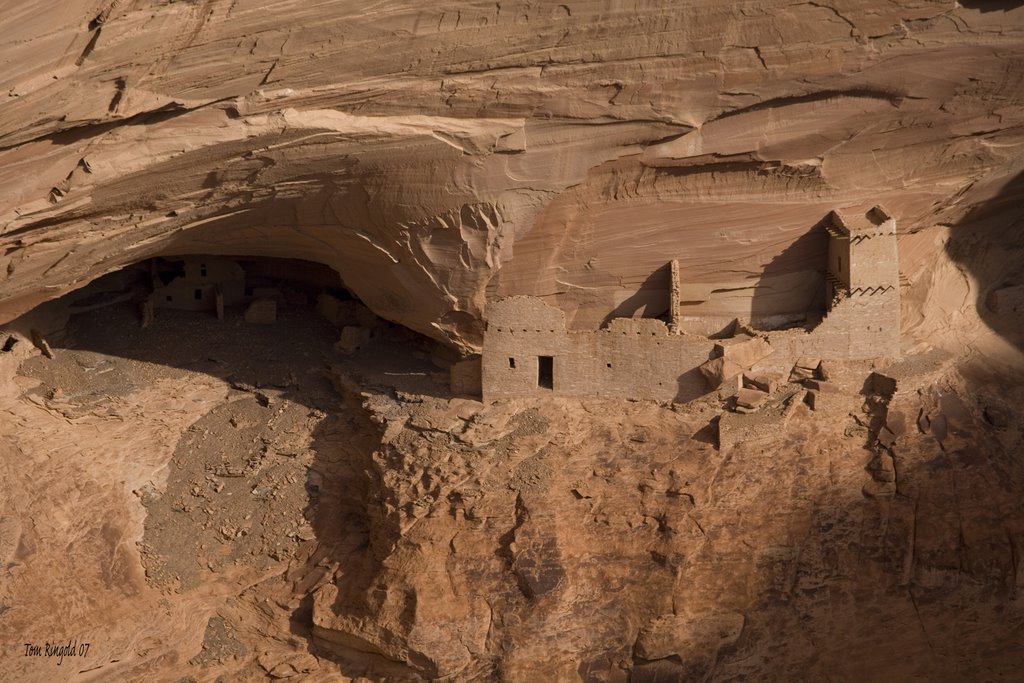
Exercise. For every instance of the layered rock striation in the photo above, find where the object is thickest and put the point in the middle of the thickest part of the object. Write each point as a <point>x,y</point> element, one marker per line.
<point>440,157</point>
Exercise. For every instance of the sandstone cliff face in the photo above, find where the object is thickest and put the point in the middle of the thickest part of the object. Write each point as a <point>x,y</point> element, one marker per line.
<point>230,513</point>
<point>440,156</point>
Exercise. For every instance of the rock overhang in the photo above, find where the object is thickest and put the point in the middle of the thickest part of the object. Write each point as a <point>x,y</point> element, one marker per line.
<point>510,165</point>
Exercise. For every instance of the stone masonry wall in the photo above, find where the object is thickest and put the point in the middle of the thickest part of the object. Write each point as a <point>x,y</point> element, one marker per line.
<point>873,262</point>
<point>640,358</point>
<point>205,274</point>
<point>644,359</point>
<point>631,358</point>
<point>860,327</point>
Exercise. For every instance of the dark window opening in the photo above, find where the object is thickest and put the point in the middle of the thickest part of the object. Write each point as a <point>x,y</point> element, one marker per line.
<point>202,270</point>
<point>167,271</point>
<point>9,344</point>
<point>512,363</point>
<point>170,298</point>
<point>608,364</point>
<point>199,294</point>
<point>248,291</point>
<point>546,372</point>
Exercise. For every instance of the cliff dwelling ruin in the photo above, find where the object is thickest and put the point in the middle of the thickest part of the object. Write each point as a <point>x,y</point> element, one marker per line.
<point>511,342</point>
<point>528,350</point>
<point>210,295</point>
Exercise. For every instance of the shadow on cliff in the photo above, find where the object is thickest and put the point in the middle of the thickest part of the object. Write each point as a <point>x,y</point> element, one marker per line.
<point>988,243</point>
<point>791,287</point>
<point>291,361</point>
<point>652,298</point>
<point>802,576</point>
<point>992,5</point>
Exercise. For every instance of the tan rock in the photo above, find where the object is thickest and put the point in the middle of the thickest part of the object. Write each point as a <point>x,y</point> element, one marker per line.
<point>744,352</point>
<point>719,370</point>
<point>766,382</point>
<point>750,398</point>
<point>883,468</point>
<point>261,312</point>
<point>689,638</point>
<point>440,157</point>
<point>288,665</point>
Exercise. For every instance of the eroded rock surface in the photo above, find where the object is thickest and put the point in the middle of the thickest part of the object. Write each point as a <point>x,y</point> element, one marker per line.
<point>439,156</point>
<point>200,501</point>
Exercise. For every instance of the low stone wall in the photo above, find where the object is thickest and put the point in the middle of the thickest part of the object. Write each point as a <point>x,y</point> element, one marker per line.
<point>528,351</point>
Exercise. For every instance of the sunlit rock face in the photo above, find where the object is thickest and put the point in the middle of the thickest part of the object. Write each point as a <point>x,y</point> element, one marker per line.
<point>440,156</point>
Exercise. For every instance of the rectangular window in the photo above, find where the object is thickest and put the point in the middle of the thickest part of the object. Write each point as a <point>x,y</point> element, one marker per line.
<point>199,294</point>
<point>546,372</point>
<point>202,270</point>
<point>512,363</point>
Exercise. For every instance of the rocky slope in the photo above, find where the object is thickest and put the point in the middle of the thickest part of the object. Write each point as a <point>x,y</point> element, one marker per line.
<point>191,525</point>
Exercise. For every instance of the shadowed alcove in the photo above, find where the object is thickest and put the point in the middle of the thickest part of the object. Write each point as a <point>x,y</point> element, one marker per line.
<point>273,476</point>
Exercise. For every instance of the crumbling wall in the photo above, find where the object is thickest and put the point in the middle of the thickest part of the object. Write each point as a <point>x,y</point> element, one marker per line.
<point>643,358</point>
<point>195,291</point>
<point>874,264</point>
<point>674,296</point>
<point>464,376</point>
<point>341,312</point>
<point>631,358</point>
<point>859,327</point>
<point>634,358</point>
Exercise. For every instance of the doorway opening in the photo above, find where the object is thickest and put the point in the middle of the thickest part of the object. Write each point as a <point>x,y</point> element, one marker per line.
<point>546,372</point>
